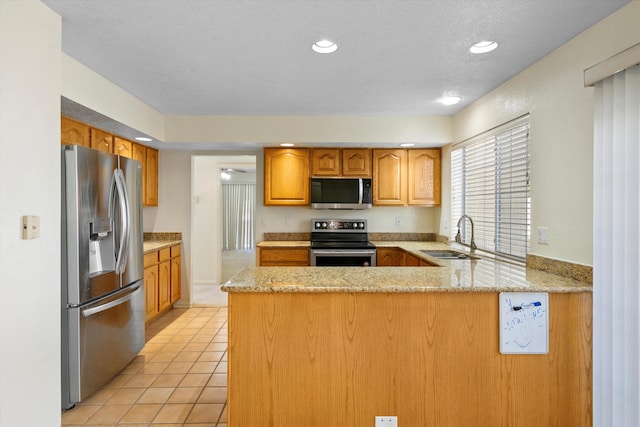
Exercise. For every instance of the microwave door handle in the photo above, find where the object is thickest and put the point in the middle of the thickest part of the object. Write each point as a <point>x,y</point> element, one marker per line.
<point>360,190</point>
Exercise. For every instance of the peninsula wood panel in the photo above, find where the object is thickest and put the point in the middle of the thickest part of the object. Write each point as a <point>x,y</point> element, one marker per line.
<point>432,359</point>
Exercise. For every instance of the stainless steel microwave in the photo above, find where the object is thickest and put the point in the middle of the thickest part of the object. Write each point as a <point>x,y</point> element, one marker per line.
<point>341,193</point>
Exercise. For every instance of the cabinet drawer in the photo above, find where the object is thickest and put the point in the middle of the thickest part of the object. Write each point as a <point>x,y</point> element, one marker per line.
<point>165,254</point>
<point>150,259</point>
<point>175,251</point>
<point>293,256</point>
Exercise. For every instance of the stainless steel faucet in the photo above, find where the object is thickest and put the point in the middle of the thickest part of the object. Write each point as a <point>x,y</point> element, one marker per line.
<point>459,237</point>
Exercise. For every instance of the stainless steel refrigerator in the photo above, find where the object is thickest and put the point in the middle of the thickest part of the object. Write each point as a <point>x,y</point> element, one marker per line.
<point>102,269</point>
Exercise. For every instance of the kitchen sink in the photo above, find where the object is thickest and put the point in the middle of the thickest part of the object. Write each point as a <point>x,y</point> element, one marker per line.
<point>448,254</point>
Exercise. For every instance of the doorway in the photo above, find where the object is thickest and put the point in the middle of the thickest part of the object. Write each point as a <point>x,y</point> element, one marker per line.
<point>222,236</point>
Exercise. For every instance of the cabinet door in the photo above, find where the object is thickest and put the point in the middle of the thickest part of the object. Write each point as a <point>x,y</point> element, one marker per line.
<point>150,171</point>
<point>101,140</point>
<point>122,147</point>
<point>424,177</point>
<point>74,133</point>
<point>410,260</point>
<point>390,177</point>
<point>175,279</point>
<point>164,285</point>
<point>139,153</point>
<point>286,176</point>
<point>151,291</point>
<point>356,162</point>
<point>325,162</point>
<point>389,257</point>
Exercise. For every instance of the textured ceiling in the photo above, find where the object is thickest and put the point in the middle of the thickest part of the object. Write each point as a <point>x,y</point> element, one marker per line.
<point>254,56</point>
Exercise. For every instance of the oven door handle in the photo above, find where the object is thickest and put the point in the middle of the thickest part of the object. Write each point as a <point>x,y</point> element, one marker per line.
<point>343,251</point>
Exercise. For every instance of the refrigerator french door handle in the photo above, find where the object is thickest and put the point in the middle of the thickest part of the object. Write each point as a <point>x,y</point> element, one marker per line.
<point>123,200</point>
<point>103,307</point>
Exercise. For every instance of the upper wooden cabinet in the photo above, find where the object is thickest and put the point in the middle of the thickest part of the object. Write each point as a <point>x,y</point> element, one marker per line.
<point>286,176</point>
<point>407,177</point>
<point>122,147</point>
<point>341,162</point>
<point>150,180</point>
<point>356,162</point>
<point>326,162</point>
<point>74,133</point>
<point>101,140</point>
<point>78,133</point>
<point>424,177</point>
<point>389,177</point>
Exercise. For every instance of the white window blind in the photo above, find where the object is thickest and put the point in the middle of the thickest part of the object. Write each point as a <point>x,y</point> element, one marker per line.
<point>490,184</point>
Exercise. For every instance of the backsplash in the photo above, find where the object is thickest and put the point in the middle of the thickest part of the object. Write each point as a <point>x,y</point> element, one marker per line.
<point>413,237</point>
<point>579,272</point>
<point>287,237</point>
<point>155,237</point>
<point>422,237</point>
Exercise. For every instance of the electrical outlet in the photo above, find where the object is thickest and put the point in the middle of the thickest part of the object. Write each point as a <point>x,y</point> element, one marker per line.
<point>386,421</point>
<point>398,221</point>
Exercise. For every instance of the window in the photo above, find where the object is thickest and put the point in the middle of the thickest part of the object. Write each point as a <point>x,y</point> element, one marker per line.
<point>490,184</point>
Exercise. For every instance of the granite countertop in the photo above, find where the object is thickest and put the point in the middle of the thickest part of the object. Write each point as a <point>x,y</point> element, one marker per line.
<point>484,275</point>
<point>156,245</point>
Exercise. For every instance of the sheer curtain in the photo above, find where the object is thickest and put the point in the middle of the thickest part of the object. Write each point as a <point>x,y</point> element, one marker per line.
<point>616,252</point>
<point>238,213</point>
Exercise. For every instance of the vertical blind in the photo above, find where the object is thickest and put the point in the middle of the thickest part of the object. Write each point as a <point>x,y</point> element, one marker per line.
<point>490,184</point>
<point>616,250</point>
<point>238,213</point>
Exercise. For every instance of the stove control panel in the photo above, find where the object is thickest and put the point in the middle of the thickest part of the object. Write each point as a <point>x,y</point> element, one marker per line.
<point>339,225</point>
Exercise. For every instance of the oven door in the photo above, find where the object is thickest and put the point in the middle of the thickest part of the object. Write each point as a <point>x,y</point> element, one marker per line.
<point>343,257</point>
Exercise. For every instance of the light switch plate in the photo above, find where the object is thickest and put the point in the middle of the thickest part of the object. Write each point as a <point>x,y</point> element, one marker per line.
<point>30,227</point>
<point>543,235</point>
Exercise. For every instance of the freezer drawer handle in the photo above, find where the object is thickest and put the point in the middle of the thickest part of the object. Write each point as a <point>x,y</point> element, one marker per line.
<point>95,310</point>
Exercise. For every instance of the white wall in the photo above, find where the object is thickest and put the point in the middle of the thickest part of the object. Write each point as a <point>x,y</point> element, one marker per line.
<point>84,86</point>
<point>363,130</point>
<point>561,131</point>
<point>30,37</point>
<point>206,218</point>
<point>173,213</point>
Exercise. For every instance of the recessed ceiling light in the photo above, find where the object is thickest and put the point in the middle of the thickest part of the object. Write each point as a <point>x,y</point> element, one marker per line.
<point>450,100</point>
<point>286,144</point>
<point>407,144</point>
<point>324,46</point>
<point>483,46</point>
<point>143,139</point>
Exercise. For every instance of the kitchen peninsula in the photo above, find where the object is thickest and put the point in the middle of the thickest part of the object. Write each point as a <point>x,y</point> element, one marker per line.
<point>339,345</point>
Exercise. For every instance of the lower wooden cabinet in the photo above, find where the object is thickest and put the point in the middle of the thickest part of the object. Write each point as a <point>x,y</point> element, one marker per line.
<point>389,257</point>
<point>176,268</point>
<point>283,257</point>
<point>161,280</point>
<point>396,257</point>
<point>151,291</point>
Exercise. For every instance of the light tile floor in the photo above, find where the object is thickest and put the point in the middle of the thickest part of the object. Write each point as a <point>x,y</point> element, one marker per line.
<point>178,379</point>
<point>232,263</point>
